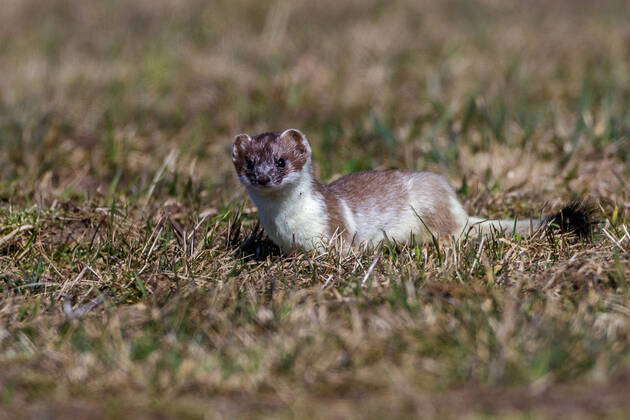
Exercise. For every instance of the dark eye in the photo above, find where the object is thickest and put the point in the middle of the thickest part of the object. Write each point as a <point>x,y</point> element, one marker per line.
<point>280,163</point>
<point>250,164</point>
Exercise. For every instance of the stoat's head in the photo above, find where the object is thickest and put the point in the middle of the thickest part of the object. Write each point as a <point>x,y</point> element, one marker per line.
<point>270,161</point>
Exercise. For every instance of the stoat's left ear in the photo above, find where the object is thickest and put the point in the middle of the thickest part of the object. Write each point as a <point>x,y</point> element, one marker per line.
<point>239,144</point>
<point>298,139</point>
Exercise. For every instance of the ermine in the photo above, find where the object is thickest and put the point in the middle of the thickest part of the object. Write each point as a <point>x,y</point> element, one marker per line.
<point>363,208</point>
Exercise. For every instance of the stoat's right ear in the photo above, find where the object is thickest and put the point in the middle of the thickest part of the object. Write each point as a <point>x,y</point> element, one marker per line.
<point>239,145</point>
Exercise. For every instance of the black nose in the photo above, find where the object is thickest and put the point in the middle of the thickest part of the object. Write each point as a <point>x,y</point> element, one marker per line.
<point>263,180</point>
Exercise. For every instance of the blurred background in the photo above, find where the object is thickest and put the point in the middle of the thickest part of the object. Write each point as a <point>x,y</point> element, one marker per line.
<point>95,95</point>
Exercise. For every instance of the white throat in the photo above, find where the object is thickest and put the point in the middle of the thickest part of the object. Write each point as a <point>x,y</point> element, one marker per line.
<point>296,215</point>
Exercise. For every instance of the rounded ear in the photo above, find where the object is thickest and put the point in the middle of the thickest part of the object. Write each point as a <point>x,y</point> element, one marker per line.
<point>298,139</point>
<point>239,143</point>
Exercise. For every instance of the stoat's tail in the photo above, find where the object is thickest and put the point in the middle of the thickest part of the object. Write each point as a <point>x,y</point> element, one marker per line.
<point>574,218</point>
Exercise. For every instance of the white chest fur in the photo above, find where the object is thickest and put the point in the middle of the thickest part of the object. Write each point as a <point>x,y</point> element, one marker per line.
<point>294,217</point>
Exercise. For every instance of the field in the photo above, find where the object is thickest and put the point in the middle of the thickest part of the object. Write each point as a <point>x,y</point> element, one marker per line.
<point>134,281</point>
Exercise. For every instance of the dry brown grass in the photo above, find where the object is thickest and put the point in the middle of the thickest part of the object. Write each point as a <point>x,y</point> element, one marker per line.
<point>123,288</point>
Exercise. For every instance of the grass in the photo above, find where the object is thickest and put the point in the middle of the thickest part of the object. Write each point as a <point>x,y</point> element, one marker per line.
<point>133,279</point>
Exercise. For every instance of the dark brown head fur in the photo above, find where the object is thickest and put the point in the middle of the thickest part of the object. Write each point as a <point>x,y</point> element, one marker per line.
<point>269,161</point>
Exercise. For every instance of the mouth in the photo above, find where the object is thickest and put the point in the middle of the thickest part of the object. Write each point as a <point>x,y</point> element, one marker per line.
<point>264,187</point>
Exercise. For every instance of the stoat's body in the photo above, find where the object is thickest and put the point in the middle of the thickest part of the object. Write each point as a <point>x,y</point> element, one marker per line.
<point>359,208</point>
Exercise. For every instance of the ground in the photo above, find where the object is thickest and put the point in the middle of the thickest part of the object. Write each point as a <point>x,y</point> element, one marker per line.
<point>135,282</point>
